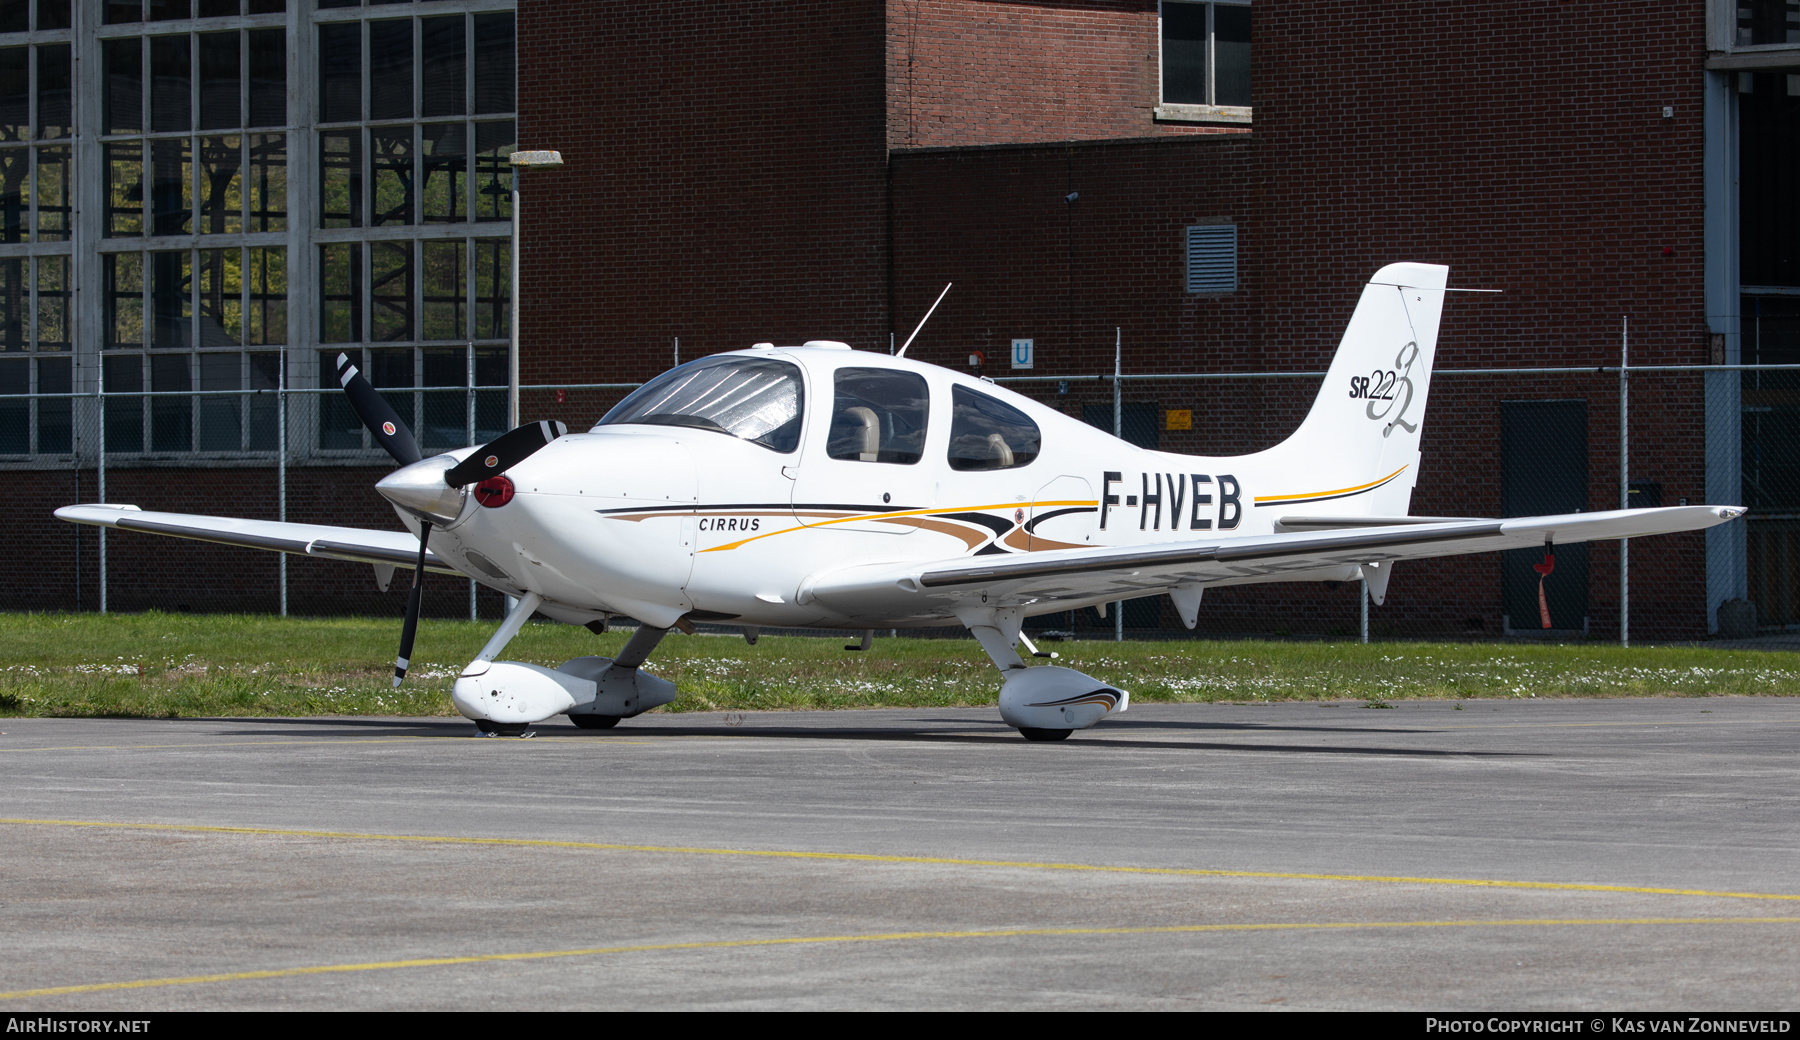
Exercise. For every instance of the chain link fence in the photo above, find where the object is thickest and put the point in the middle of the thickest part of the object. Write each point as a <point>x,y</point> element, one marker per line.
<point>1497,442</point>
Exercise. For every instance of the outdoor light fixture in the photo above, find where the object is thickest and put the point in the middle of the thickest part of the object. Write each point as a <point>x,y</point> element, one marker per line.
<point>535,159</point>
<point>539,159</point>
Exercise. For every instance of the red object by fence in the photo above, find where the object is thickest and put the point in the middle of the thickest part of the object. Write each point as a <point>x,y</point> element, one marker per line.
<point>1544,570</point>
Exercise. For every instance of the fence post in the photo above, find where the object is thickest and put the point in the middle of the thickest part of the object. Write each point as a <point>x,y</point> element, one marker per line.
<point>281,451</point>
<point>1624,480</point>
<point>1118,431</point>
<point>469,409</point>
<point>512,318</point>
<point>1363,583</point>
<point>100,467</point>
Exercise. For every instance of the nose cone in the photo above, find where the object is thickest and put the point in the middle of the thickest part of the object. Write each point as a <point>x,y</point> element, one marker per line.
<point>420,490</point>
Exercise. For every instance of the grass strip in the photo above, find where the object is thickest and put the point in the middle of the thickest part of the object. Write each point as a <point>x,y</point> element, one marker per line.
<point>157,665</point>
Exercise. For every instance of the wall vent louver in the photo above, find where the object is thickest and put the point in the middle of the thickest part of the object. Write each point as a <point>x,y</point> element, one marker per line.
<point>1212,258</point>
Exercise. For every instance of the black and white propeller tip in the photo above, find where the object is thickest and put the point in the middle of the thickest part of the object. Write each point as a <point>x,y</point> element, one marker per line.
<point>383,422</point>
<point>503,453</point>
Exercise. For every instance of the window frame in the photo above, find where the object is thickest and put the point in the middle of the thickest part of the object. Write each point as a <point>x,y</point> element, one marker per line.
<point>50,420</point>
<point>480,228</point>
<point>482,220</point>
<point>1188,112</point>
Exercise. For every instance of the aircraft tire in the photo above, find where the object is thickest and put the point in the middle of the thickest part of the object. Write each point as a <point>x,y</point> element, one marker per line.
<point>595,721</point>
<point>1032,733</point>
<point>502,729</point>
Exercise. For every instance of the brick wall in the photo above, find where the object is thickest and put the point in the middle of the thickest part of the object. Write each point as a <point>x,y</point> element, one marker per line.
<point>971,72</point>
<point>726,180</point>
<point>1029,263</point>
<point>1520,142</point>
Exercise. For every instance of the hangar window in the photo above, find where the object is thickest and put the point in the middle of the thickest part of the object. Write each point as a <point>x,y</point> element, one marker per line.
<point>753,399</point>
<point>416,118</point>
<point>1764,22</point>
<point>1205,61</point>
<point>878,416</point>
<point>986,433</point>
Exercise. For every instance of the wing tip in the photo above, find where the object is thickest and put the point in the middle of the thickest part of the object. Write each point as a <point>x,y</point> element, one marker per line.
<point>77,513</point>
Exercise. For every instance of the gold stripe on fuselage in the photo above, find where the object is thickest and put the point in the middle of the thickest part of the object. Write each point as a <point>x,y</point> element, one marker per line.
<point>1308,496</point>
<point>918,516</point>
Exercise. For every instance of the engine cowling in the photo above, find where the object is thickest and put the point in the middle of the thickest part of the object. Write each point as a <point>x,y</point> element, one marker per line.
<point>1052,698</point>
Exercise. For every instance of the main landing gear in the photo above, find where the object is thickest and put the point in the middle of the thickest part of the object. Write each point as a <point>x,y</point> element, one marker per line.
<point>1046,703</point>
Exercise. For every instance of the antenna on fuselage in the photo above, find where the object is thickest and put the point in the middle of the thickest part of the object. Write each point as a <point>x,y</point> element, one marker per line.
<point>926,318</point>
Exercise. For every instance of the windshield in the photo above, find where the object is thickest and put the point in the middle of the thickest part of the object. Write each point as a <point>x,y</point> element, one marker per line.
<point>753,399</point>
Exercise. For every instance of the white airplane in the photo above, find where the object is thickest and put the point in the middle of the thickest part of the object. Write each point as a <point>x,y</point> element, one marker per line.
<point>823,487</point>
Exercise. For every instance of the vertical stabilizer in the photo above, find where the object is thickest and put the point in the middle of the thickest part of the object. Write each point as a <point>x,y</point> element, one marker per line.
<point>1359,446</point>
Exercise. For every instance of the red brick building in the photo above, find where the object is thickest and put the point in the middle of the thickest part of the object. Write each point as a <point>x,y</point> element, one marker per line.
<point>793,170</point>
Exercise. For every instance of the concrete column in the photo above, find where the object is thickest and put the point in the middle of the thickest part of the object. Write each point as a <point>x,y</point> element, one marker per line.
<point>1726,545</point>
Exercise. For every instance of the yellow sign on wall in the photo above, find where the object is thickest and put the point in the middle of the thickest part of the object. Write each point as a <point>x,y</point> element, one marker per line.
<point>1179,419</point>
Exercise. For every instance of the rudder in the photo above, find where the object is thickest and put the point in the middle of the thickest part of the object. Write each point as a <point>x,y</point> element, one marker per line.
<point>1362,434</point>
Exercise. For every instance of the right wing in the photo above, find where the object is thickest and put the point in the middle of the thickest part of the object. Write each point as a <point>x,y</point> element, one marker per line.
<point>383,548</point>
<point>1044,582</point>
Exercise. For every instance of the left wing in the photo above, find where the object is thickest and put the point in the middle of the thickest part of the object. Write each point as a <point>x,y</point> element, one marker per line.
<point>384,548</point>
<point>1058,577</point>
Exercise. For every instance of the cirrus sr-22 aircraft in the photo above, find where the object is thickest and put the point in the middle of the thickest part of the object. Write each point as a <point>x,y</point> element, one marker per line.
<point>822,487</point>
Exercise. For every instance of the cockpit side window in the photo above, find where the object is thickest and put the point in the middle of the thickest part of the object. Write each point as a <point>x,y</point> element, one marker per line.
<point>986,433</point>
<point>752,399</point>
<point>878,415</point>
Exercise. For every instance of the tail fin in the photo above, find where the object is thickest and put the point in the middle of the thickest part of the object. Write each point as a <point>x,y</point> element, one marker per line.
<point>1360,442</point>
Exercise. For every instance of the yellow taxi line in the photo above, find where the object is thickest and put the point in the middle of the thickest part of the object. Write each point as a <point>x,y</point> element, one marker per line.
<point>863,857</point>
<point>878,937</point>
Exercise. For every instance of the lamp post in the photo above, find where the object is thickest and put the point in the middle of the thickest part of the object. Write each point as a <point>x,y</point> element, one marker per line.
<point>520,162</point>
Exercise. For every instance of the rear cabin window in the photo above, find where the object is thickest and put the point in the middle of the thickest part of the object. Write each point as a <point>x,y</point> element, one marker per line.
<point>878,415</point>
<point>989,434</point>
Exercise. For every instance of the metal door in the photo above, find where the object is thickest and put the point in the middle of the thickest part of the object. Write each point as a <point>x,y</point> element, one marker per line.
<point>1544,470</point>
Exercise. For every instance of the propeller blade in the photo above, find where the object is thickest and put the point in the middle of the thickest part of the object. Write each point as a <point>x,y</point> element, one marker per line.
<point>377,414</point>
<point>411,627</point>
<point>503,453</point>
